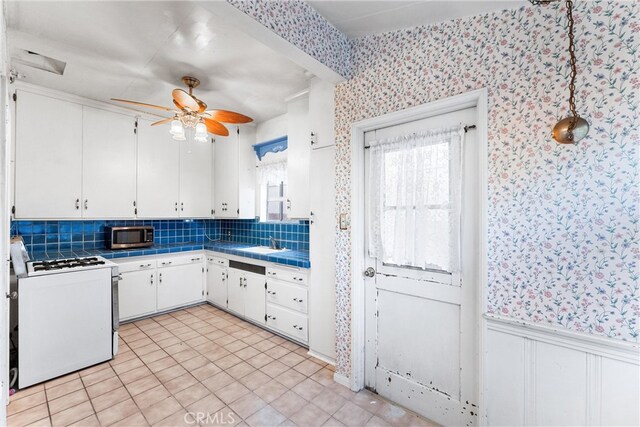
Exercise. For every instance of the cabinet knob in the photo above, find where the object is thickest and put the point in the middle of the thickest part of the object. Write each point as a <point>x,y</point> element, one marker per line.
<point>182,206</point>
<point>176,207</point>
<point>77,204</point>
<point>86,204</point>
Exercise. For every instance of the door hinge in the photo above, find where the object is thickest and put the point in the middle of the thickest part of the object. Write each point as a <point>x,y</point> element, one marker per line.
<point>265,285</point>
<point>13,209</point>
<point>238,131</point>
<point>15,97</point>
<point>238,211</point>
<point>265,317</point>
<point>203,269</point>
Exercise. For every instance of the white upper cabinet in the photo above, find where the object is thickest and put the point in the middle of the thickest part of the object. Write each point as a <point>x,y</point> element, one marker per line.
<point>108,164</point>
<point>48,172</point>
<point>225,169</point>
<point>158,172</point>
<point>195,179</point>
<point>234,170</point>
<point>299,148</point>
<point>322,113</point>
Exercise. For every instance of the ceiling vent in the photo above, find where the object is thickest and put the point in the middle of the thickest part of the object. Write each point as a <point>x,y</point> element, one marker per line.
<point>38,61</point>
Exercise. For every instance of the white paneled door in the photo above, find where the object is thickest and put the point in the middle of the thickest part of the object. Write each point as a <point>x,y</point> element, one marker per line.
<point>108,164</point>
<point>158,172</point>
<point>421,340</point>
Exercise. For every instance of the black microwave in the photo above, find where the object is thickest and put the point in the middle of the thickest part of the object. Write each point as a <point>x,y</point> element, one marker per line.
<point>129,237</point>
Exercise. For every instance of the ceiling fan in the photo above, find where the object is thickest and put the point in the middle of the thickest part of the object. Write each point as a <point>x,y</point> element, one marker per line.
<point>191,112</point>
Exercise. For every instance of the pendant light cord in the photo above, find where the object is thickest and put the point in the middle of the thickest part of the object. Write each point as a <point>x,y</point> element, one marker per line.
<point>574,72</point>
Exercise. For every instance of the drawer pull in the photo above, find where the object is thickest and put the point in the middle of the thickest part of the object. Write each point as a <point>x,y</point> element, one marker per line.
<point>195,259</point>
<point>145,265</point>
<point>167,263</point>
<point>271,317</point>
<point>271,292</point>
<point>298,300</point>
<point>297,327</point>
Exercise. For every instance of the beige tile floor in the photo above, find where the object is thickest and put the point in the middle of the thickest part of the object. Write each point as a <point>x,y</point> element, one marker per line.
<point>203,366</point>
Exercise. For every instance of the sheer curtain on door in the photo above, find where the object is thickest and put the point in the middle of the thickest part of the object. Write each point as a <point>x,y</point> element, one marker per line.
<point>415,198</point>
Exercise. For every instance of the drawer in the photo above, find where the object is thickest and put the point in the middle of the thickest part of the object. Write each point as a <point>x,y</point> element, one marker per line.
<point>288,275</point>
<point>129,266</point>
<point>180,260</point>
<point>218,261</point>
<point>288,322</point>
<point>287,294</point>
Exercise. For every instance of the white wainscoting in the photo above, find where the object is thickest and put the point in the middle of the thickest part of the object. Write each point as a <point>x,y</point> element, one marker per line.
<point>541,376</point>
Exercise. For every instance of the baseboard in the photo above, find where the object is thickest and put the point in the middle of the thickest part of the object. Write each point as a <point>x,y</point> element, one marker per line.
<point>342,380</point>
<point>322,357</point>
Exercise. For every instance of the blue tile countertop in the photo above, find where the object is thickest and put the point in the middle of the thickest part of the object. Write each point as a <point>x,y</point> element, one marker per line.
<point>288,257</point>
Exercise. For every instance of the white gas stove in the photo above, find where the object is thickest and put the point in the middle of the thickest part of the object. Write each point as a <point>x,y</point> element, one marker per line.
<point>66,265</point>
<point>67,317</point>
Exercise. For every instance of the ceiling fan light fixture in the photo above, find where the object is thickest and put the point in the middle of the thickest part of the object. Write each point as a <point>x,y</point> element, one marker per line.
<point>176,128</point>
<point>201,132</point>
<point>179,136</point>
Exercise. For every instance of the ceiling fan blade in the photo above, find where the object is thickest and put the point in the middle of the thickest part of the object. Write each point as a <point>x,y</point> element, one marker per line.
<point>202,104</point>
<point>215,127</point>
<point>228,116</point>
<point>161,122</point>
<point>184,100</point>
<point>142,104</point>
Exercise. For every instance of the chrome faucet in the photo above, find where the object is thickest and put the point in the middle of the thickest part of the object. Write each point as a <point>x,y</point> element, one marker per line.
<point>273,244</point>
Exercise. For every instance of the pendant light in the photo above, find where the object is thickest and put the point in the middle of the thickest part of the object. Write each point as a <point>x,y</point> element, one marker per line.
<point>573,128</point>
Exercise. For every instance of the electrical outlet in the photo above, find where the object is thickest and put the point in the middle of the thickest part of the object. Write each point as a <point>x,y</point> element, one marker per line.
<point>343,221</point>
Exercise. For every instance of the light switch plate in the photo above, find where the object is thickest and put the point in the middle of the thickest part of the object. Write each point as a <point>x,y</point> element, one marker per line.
<point>343,221</point>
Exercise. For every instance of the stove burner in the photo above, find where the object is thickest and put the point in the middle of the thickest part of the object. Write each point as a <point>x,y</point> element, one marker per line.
<point>59,264</point>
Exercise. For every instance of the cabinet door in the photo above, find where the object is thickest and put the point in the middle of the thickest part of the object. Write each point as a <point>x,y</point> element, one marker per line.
<point>195,179</point>
<point>254,297</point>
<point>108,164</point>
<point>137,294</point>
<point>246,197</point>
<point>322,298</point>
<point>235,291</point>
<point>217,285</point>
<point>322,113</point>
<point>226,175</point>
<point>180,285</point>
<point>48,169</point>
<point>158,175</point>
<point>298,155</point>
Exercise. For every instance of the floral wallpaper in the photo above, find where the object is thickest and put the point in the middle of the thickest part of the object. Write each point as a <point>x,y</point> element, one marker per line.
<point>304,27</point>
<point>563,220</point>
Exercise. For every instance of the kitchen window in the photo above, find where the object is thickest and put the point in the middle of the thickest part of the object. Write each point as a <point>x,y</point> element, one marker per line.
<point>272,184</point>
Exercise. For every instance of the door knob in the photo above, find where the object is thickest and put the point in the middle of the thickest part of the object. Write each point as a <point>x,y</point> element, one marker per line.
<point>370,272</point>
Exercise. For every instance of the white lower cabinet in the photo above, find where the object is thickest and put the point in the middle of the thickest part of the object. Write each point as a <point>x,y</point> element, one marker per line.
<point>246,294</point>
<point>137,294</point>
<point>217,277</point>
<point>153,284</point>
<point>288,322</point>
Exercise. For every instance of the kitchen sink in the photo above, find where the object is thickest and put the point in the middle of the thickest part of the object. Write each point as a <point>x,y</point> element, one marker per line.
<point>262,250</point>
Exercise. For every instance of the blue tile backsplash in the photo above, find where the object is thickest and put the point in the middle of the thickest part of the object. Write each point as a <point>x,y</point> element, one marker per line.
<point>61,236</point>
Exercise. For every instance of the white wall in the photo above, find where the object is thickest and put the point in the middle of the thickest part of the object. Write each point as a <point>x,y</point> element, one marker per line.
<point>5,132</point>
<point>271,129</point>
<point>539,376</point>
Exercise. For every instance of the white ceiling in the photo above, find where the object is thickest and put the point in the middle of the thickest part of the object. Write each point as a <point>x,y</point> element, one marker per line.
<point>360,18</point>
<point>139,50</point>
